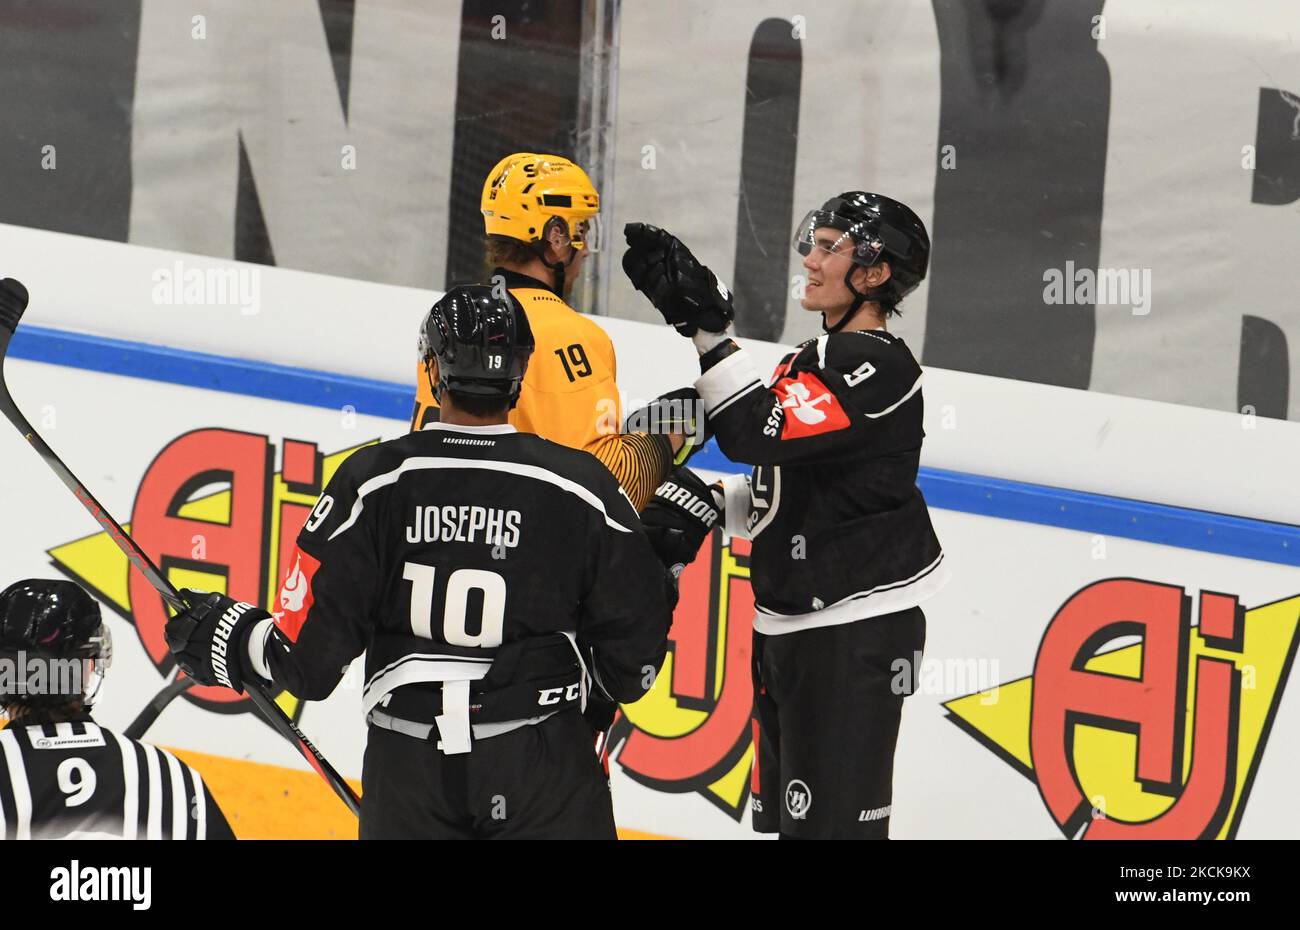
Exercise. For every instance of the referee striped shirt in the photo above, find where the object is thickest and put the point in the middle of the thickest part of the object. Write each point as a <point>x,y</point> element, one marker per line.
<point>75,779</point>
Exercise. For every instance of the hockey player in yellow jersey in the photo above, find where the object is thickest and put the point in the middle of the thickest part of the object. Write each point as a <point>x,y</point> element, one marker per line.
<point>541,215</point>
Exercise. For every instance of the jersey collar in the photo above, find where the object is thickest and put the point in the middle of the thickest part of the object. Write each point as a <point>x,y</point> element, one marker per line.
<point>41,718</point>
<point>515,280</point>
<point>496,429</point>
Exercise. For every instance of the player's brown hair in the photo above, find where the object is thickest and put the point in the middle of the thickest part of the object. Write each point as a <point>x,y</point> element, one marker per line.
<point>502,250</point>
<point>15,709</point>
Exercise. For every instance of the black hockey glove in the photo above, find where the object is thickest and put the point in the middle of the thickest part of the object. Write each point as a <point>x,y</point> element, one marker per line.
<point>679,518</point>
<point>679,411</point>
<point>599,713</point>
<point>688,294</point>
<point>207,640</point>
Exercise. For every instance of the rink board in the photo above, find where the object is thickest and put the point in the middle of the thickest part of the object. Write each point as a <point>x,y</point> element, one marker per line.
<point>966,759</point>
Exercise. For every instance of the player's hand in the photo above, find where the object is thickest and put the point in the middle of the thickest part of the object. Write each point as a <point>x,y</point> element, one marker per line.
<point>681,412</point>
<point>207,639</point>
<point>688,294</point>
<point>679,518</point>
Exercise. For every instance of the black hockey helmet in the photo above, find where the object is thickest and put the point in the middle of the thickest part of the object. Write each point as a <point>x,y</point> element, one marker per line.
<point>46,619</point>
<point>879,228</point>
<point>481,341</point>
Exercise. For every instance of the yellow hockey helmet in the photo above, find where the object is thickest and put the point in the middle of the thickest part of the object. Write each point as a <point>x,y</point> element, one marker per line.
<point>525,191</point>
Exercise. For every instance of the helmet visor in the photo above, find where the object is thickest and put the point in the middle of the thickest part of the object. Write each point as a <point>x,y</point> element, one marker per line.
<point>834,235</point>
<point>102,644</point>
<point>588,233</point>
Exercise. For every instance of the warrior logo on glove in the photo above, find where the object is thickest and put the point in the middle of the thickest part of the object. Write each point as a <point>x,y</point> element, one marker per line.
<point>693,504</point>
<point>207,640</point>
<point>679,518</point>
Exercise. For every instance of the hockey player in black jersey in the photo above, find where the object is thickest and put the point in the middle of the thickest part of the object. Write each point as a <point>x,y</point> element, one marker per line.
<point>493,579</point>
<point>61,774</point>
<point>843,549</point>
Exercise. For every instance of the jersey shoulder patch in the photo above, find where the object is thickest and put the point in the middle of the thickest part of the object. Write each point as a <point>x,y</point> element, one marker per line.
<point>808,407</point>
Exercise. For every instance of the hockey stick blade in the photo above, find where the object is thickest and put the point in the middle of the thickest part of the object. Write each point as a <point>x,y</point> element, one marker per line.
<point>178,685</point>
<point>13,302</point>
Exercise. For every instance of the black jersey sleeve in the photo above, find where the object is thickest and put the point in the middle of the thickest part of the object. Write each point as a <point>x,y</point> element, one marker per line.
<point>624,619</point>
<point>332,590</point>
<point>830,396</point>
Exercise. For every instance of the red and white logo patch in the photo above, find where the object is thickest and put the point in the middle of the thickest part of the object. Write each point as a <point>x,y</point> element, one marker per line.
<point>295,595</point>
<point>809,406</point>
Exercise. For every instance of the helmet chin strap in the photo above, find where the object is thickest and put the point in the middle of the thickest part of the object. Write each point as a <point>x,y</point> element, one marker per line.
<point>559,271</point>
<point>859,299</point>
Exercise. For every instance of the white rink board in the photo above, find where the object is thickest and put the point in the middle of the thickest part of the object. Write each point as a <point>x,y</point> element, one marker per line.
<point>1009,579</point>
<point>1062,437</point>
<point>107,430</point>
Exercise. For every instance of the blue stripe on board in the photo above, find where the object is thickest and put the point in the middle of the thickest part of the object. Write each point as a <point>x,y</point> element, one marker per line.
<point>947,490</point>
<point>214,372</point>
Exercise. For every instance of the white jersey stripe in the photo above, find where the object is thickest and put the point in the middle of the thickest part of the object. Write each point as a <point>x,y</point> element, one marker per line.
<point>200,805</point>
<point>421,463</point>
<point>882,599</point>
<point>723,405</point>
<point>153,822</point>
<point>894,406</point>
<point>180,803</point>
<point>13,754</point>
<point>130,787</point>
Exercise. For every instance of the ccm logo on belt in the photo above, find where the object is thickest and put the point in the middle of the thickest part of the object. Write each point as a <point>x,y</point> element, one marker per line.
<point>555,695</point>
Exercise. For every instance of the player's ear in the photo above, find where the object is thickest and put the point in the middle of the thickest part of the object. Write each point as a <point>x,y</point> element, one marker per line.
<point>877,274</point>
<point>557,240</point>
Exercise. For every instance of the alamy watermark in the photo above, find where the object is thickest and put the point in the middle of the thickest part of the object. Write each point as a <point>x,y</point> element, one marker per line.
<point>1113,287</point>
<point>945,677</point>
<point>662,416</point>
<point>183,286</point>
<point>23,674</point>
<point>77,882</point>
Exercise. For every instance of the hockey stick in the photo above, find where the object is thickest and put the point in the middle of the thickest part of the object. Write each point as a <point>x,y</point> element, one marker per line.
<point>176,684</point>
<point>13,303</point>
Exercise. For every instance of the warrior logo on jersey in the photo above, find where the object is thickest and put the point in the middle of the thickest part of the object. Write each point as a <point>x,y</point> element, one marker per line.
<point>213,512</point>
<point>1136,724</point>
